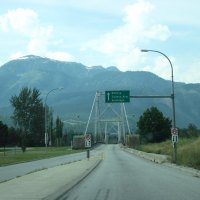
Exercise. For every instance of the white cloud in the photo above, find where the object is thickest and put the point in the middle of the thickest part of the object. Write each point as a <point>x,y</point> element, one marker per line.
<point>16,55</point>
<point>190,73</point>
<point>21,20</point>
<point>26,23</point>
<point>135,13</point>
<point>121,44</point>
<point>158,32</point>
<point>130,60</point>
<point>38,44</point>
<point>62,56</point>
<point>161,66</point>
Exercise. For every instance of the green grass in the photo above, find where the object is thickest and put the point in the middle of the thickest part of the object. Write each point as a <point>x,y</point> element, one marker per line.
<point>35,153</point>
<point>188,151</point>
<point>189,154</point>
<point>158,148</point>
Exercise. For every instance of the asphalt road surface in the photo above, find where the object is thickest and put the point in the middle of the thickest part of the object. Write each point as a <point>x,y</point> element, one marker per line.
<point>123,176</point>
<point>12,171</point>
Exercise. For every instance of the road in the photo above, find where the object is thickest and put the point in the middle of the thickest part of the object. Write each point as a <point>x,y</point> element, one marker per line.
<point>12,171</point>
<point>123,176</point>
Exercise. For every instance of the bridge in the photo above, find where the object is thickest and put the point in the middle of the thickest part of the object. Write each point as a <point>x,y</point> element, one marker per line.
<point>108,118</point>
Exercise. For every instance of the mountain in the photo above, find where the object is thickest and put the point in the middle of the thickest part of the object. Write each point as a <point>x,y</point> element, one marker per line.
<point>80,84</point>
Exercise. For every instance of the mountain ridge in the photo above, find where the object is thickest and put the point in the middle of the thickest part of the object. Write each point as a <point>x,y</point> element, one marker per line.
<point>80,84</point>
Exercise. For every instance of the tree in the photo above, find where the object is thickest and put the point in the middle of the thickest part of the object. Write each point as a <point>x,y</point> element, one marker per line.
<point>49,125</point>
<point>59,131</point>
<point>153,126</point>
<point>13,136</point>
<point>3,135</point>
<point>28,115</point>
<point>190,131</point>
<point>193,130</point>
<point>69,134</point>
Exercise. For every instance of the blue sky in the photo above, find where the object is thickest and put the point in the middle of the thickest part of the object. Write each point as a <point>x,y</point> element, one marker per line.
<point>107,33</point>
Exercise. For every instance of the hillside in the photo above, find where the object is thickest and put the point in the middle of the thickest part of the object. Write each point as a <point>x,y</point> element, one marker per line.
<point>80,84</point>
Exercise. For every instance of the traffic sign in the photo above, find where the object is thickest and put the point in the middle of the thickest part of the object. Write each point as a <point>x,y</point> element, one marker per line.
<point>174,131</point>
<point>88,142</point>
<point>174,138</point>
<point>88,136</point>
<point>117,96</point>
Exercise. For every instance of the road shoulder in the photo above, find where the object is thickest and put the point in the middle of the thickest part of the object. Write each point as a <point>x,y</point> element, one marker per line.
<point>49,182</point>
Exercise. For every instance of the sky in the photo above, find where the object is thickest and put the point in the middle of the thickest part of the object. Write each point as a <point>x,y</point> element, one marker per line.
<point>106,33</point>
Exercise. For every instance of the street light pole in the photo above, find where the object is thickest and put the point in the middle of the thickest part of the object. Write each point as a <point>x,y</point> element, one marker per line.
<point>45,116</point>
<point>172,96</point>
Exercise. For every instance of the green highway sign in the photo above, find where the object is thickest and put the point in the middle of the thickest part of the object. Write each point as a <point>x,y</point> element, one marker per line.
<point>117,96</point>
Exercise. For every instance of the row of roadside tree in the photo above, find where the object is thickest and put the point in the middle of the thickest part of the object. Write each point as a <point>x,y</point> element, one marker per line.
<point>29,122</point>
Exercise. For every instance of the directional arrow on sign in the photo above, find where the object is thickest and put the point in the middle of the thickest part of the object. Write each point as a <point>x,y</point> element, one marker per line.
<point>108,96</point>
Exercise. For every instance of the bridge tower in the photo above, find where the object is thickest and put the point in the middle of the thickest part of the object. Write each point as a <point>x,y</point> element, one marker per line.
<point>108,118</point>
